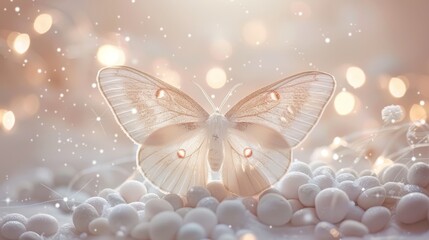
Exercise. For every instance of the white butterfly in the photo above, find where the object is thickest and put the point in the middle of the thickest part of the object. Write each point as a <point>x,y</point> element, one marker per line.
<point>181,145</point>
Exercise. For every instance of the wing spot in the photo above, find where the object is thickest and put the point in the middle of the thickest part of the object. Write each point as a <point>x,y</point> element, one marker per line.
<point>290,109</point>
<point>160,93</point>
<point>181,153</point>
<point>247,152</point>
<point>133,110</point>
<point>274,96</point>
<point>283,119</point>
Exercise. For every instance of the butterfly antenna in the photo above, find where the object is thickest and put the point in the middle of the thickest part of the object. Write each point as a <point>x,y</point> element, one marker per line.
<point>229,95</point>
<point>206,95</point>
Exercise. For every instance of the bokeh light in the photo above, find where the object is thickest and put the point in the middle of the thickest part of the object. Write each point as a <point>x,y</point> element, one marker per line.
<point>220,49</point>
<point>417,113</point>
<point>254,32</point>
<point>8,120</point>
<point>109,55</point>
<point>171,77</point>
<point>216,77</point>
<point>344,103</point>
<point>397,87</point>
<point>21,43</point>
<point>42,23</point>
<point>355,77</point>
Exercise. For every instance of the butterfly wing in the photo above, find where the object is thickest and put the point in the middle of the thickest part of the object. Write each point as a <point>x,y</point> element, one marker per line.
<point>270,122</point>
<point>164,121</point>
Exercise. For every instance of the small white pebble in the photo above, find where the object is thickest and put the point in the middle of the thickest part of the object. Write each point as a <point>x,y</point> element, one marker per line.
<point>274,210</point>
<point>139,206</point>
<point>99,226</point>
<point>354,213</point>
<point>307,194</point>
<point>164,226</point>
<point>347,170</point>
<point>98,203</point>
<point>291,182</point>
<point>367,182</point>
<point>345,177</point>
<point>326,231</point>
<point>371,197</point>
<point>175,200</point>
<point>376,218</point>
<point>103,193</point>
<point>209,203</point>
<point>30,235</point>
<point>395,173</point>
<point>295,204</point>
<point>268,190</point>
<point>315,164</point>
<point>191,231</point>
<point>141,231</point>
<point>332,205</point>
<point>183,211</point>
<point>351,228</point>
<point>123,217</point>
<point>367,172</point>
<point>195,194</point>
<point>115,199</point>
<point>324,170</point>
<point>132,190</point>
<point>219,230</point>
<point>43,224</point>
<point>82,216</point>
<point>14,217</point>
<point>304,217</point>
<point>202,216</point>
<point>231,212</point>
<point>250,204</point>
<point>323,181</point>
<point>302,167</point>
<point>351,189</point>
<point>155,206</point>
<point>147,197</point>
<point>394,192</point>
<point>412,208</point>
<point>418,174</point>
<point>217,190</point>
<point>12,229</point>
<point>410,188</point>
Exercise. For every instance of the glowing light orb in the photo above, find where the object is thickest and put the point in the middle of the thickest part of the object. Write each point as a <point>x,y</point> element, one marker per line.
<point>21,43</point>
<point>397,87</point>
<point>216,77</point>
<point>344,103</point>
<point>171,77</point>
<point>42,23</point>
<point>8,120</point>
<point>417,113</point>
<point>109,55</point>
<point>254,32</point>
<point>355,77</point>
<point>220,49</point>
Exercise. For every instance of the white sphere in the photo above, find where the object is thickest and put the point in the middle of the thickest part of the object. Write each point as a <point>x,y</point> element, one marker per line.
<point>371,197</point>
<point>99,226</point>
<point>351,228</point>
<point>394,192</point>
<point>347,170</point>
<point>274,210</point>
<point>155,206</point>
<point>307,194</point>
<point>324,170</point>
<point>30,235</point>
<point>183,211</point>
<point>315,164</point>
<point>103,193</point>
<point>220,230</point>
<point>326,231</point>
<point>332,205</point>
<point>82,216</point>
<point>202,216</point>
<point>175,200</point>
<point>98,203</point>
<point>217,190</point>
<point>302,167</point>
<point>195,194</point>
<point>418,174</point>
<point>305,217</point>
<point>123,217</point>
<point>191,231</point>
<point>141,231</point>
<point>291,182</point>
<point>367,172</point>
<point>351,189</point>
<point>209,203</point>
<point>43,224</point>
<point>376,218</point>
<point>12,229</point>
<point>139,206</point>
<point>295,204</point>
<point>323,181</point>
<point>132,190</point>
<point>14,217</point>
<point>115,199</point>
<point>412,208</point>
<point>148,197</point>
<point>354,213</point>
<point>164,226</point>
<point>231,212</point>
<point>367,182</point>
<point>250,204</point>
<point>395,173</point>
<point>345,177</point>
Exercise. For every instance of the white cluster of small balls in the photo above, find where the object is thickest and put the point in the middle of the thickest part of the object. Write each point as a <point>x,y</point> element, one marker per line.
<point>392,114</point>
<point>16,226</point>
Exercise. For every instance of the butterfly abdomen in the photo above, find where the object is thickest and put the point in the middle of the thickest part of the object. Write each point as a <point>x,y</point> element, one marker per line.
<point>217,126</point>
<point>215,155</point>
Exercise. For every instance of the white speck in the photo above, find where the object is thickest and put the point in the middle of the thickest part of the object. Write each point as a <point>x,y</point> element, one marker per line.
<point>93,85</point>
<point>127,39</point>
<point>133,110</point>
<point>98,119</point>
<point>327,40</point>
<point>17,9</point>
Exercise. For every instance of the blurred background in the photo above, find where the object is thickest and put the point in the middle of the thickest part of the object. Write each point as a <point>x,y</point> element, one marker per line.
<point>53,118</point>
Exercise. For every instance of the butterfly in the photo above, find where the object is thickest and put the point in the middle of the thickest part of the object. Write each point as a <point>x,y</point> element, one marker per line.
<point>181,145</point>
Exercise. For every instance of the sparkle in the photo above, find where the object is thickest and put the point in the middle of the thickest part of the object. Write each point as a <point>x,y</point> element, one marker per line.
<point>247,152</point>
<point>181,153</point>
<point>160,93</point>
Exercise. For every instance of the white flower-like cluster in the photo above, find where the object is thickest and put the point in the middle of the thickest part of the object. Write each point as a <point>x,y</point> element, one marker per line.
<point>392,114</point>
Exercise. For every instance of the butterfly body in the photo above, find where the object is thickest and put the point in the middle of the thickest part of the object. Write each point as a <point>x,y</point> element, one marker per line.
<point>248,148</point>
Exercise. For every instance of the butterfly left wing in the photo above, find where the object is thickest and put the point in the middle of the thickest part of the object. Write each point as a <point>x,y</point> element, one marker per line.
<point>270,122</point>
